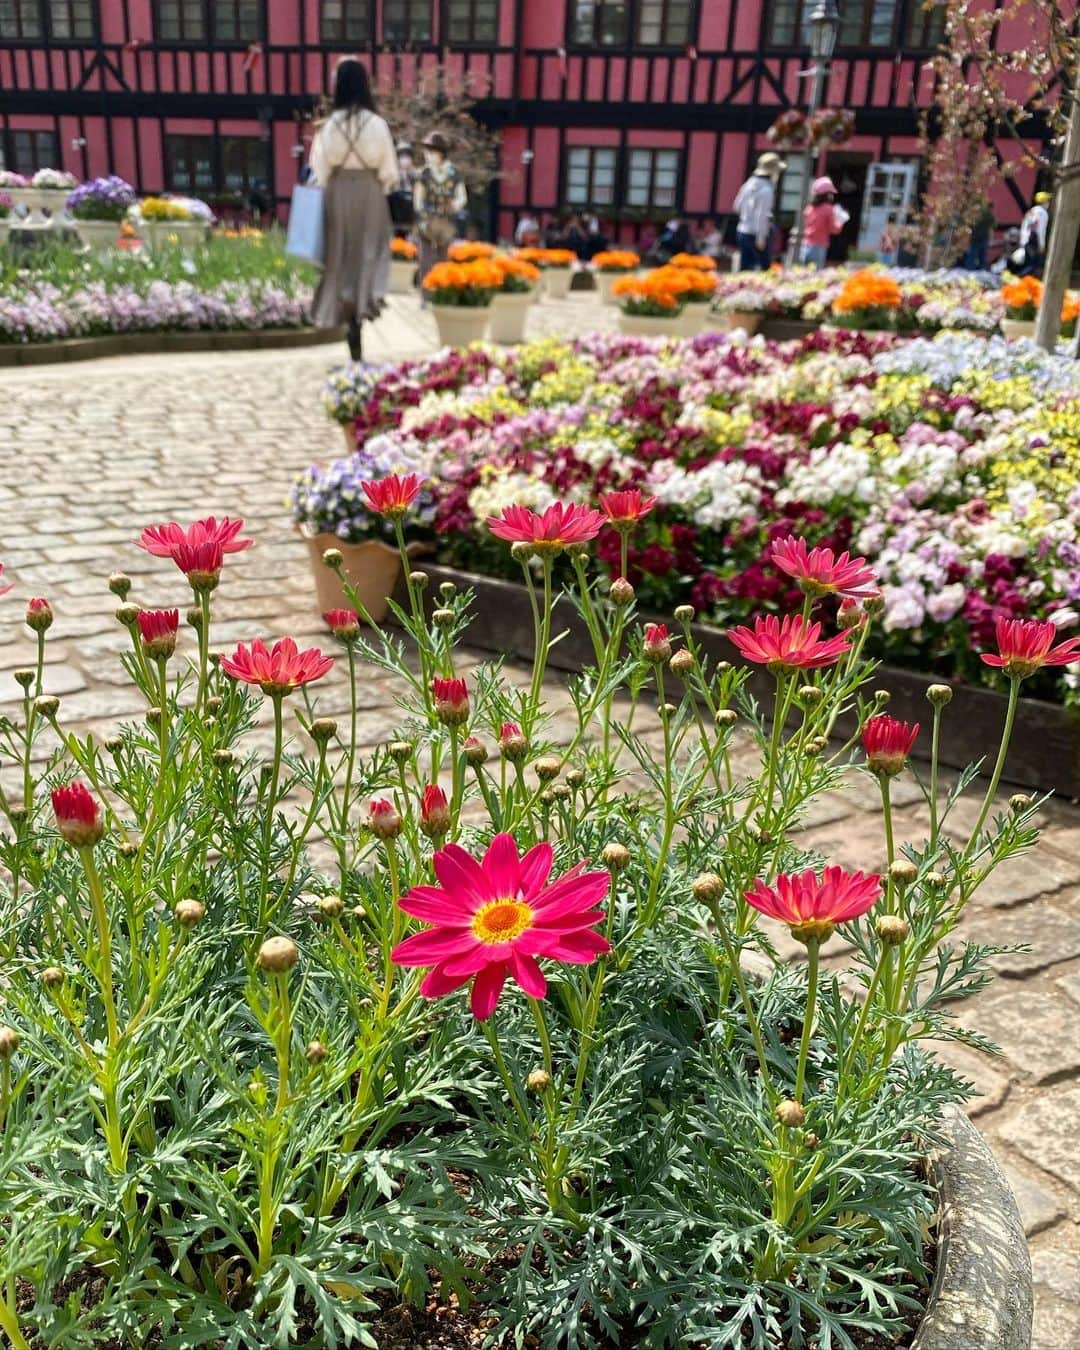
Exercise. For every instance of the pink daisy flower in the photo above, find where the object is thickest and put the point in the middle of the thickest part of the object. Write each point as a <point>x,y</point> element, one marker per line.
<point>560,526</point>
<point>392,496</point>
<point>788,644</point>
<point>276,670</point>
<point>495,917</point>
<point>163,540</point>
<point>624,509</point>
<point>888,742</point>
<point>811,905</point>
<point>819,571</point>
<point>1026,645</point>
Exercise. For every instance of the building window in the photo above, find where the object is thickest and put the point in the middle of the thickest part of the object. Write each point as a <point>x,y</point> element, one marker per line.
<point>28,151</point>
<point>590,175</point>
<point>244,163</point>
<point>664,23</point>
<point>925,25</point>
<point>868,23</point>
<point>189,164</point>
<point>651,23</point>
<point>600,23</point>
<point>57,20</point>
<point>181,20</point>
<point>345,20</point>
<point>472,21</point>
<point>789,195</point>
<point>652,178</point>
<point>406,21</point>
<point>237,20</point>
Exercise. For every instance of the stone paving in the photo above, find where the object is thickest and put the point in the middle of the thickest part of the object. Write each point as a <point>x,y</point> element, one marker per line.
<point>92,451</point>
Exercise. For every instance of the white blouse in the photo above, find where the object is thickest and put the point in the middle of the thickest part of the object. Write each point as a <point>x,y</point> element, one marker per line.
<point>371,147</point>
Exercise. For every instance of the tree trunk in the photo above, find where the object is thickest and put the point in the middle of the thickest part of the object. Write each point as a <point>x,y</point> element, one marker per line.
<point>1064,227</point>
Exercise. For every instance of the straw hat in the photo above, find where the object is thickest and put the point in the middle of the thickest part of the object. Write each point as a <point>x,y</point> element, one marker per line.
<point>770,163</point>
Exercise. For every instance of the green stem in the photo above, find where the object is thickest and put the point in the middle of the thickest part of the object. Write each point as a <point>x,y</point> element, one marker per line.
<point>544,637</point>
<point>350,762</point>
<point>5,1089</point>
<point>270,804</point>
<point>1006,736</point>
<point>104,935</point>
<point>163,716</point>
<point>779,711</point>
<point>813,950</point>
<point>204,649</point>
<point>392,936</point>
<point>751,1016</point>
<point>885,786</point>
<point>9,1325</point>
<point>848,1062</point>
<point>935,739</point>
<point>508,1082</point>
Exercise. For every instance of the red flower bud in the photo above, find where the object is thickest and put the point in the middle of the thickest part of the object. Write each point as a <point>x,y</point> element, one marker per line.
<point>39,615</point>
<point>657,647</point>
<point>434,812</point>
<point>512,742</point>
<point>343,623</point>
<point>158,629</point>
<point>385,820</point>
<point>451,700</point>
<point>77,816</point>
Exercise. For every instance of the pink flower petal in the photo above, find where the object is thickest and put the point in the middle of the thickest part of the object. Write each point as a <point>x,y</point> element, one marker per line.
<point>535,869</point>
<point>501,867</point>
<point>437,944</point>
<point>436,983</point>
<point>460,874</point>
<point>434,906</point>
<point>486,989</point>
<point>527,973</point>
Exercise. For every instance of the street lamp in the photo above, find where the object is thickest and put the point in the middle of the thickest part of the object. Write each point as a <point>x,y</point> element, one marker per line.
<point>824,25</point>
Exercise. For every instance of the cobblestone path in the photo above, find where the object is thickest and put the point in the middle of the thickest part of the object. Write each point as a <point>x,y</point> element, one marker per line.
<point>92,451</point>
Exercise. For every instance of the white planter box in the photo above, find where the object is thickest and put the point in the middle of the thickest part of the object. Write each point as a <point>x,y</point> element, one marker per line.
<point>402,272</point>
<point>461,324</point>
<point>648,325</point>
<point>509,311</point>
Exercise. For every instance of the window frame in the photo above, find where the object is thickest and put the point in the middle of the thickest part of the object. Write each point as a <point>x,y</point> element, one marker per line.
<point>208,39</point>
<point>191,188</point>
<point>473,41</point>
<point>631,40</point>
<point>916,15</point>
<point>622,159</point>
<point>410,41</point>
<point>803,8</point>
<point>17,166</point>
<point>331,40</point>
<point>45,35</point>
<point>265,168</point>
<point>653,151</point>
<point>616,184</point>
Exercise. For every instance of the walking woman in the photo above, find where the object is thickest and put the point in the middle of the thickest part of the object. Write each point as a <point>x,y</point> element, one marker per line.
<point>353,159</point>
<point>439,197</point>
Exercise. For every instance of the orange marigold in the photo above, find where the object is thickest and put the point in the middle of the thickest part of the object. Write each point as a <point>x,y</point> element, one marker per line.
<point>867,290</point>
<point>470,251</point>
<point>402,248</point>
<point>698,261</point>
<point>616,260</point>
<point>1022,297</point>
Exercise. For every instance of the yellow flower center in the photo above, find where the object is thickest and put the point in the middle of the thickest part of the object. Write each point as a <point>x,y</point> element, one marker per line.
<point>501,921</point>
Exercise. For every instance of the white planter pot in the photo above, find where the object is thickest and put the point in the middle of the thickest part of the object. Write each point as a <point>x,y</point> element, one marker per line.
<point>557,282</point>
<point>52,200</point>
<point>509,310</point>
<point>157,234</point>
<point>44,206</point>
<point>647,325</point>
<point>98,235</point>
<point>402,272</point>
<point>1018,328</point>
<point>461,324</point>
<point>693,318</point>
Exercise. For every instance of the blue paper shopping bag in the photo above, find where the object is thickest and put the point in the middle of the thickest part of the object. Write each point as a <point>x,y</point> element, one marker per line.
<point>307,226</point>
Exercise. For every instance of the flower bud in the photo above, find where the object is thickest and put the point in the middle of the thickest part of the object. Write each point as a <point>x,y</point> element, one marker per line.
<point>874,603</point>
<point>708,888</point>
<point>128,848</point>
<point>333,558</point>
<point>790,1114</point>
<point>475,751</point>
<point>222,758</point>
<point>52,977</point>
<point>9,1042</point>
<point>1020,802</point>
<point>810,1140</point>
<point>384,819</point>
<point>277,955</point>
<point>24,677</point>
<point>451,698</point>
<point>400,751</point>
<point>891,929</point>
<point>315,1052</point>
<point>120,584</point>
<point>621,592</point>
<point>722,667</point>
<point>113,743</point>
<point>616,857</point>
<point>726,717</point>
<point>682,663</point>
<point>434,812</point>
<point>538,1081</point>
<point>546,797</point>
<point>419,580</point>
<point>77,816</point>
<point>512,742</point>
<point>547,768</point>
<point>443,618</point>
<point>656,647</point>
<point>881,697</point>
<point>903,872</point>
<point>189,912</point>
<point>330,906</point>
<point>811,695</point>
<point>128,615</point>
<point>850,614</point>
<point>152,718</point>
<point>521,551</point>
<point>358,912</point>
<point>818,745</point>
<point>194,617</point>
<point>940,695</point>
<point>447,590</point>
<point>39,615</point>
<point>666,710</point>
<point>323,730</point>
<point>684,613</point>
<point>575,777</point>
<point>935,880</point>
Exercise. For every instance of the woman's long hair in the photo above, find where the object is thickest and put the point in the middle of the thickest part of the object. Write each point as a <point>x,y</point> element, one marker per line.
<point>352,86</point>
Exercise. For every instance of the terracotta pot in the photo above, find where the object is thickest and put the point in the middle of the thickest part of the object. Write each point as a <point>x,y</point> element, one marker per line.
<point>459,325</point>
<point>372,567</point>
<point>648,325</point>
<point>749,322</point>
<point>1018,328</point>
<point>350,440</point>
<point>509,310</point>
<point>402,273</point>
<point>557,282</point>
<point>98,235</point>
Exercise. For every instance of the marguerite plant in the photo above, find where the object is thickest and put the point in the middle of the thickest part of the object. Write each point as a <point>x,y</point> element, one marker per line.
<point>477,1009</point>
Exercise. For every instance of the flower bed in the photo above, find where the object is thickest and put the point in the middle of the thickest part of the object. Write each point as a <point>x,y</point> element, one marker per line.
<point>925,456</point>
<point>228,284</point>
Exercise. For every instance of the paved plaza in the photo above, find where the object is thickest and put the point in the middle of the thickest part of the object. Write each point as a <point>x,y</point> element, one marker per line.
<point>93,451</point>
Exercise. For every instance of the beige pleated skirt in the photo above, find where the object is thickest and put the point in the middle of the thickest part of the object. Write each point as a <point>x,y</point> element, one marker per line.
<point>356,270</point>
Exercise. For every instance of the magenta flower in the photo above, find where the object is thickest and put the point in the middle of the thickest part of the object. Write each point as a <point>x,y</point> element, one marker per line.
<point>819,571</point>
<point>1026,645</point>
<point>560,526</point>
<point>888,742</point>
<point>277,670</point>
<point>624,509</point>
<point>495,917</point>
<point>811,905</point>
<point>77,816</point>
<point>164,540</point>
<point>787,645</point>
<point>392,496</point>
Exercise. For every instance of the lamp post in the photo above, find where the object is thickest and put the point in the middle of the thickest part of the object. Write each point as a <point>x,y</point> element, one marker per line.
<point>824,24</point>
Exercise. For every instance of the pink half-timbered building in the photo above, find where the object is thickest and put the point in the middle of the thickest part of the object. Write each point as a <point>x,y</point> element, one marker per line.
<point>636,109</point>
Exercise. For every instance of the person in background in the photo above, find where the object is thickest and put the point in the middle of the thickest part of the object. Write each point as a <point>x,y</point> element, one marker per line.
<point>711,242</point>
<point>675,239</point>
<point>1033,229</point>
<point>401,199</point>
<point>354,161</point>
<point>527,233</point>
<point>438,197</point>
<point>596,239</point>
<point>976,257</point>
<point>889,243</point>
<point>574,236</point>
<point>259,200</point>
<point>647,239</point>
<point>754,204</point>
<point>821,220</point>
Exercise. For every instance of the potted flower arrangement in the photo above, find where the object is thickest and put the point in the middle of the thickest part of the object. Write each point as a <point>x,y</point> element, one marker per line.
<point>173,220</point>
<point>696,285</point>
<point>98,207</point>
<point>743,307</point>
<point>346,394</point>
<point>460,295</point>
<point>510,304</point>
<point>650,305</point>
<point>470,250</point>
<point>609,264</point>
<point>51,188</point>
<point>831,127</point>
<point>1070,312</point>
<point>557,264</point>
<point>403,253</point>
<point>867,300</point>
<point>346,507</point>
<point>1021,299</point>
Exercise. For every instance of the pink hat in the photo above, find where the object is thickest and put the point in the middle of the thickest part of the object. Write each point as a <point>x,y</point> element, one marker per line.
<point>824,184</point>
